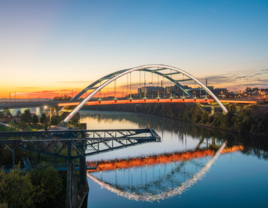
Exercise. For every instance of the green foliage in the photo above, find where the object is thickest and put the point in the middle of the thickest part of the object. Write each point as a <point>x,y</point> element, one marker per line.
<point>55,120</point>
<point>26,116</point>
<point>4,205</point>
<point>6,112</point>
<point>217,119</point>
<point>12,124</point>
<point>35,119</point>
<point>23,125</point>
<point>18,113</point>
<point>48,182</point>
<point>43,118</point>
<point>2,114</point>
<point>204,117</point>
<point>46,127</point>
<point>76,118</point>
<point>252,119</point>
<point>16,188</point>
<point>40,187</point>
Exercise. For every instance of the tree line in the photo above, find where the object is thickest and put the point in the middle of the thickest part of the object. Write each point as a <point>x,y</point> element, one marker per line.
<point>40,187</point>
<point>252,119</point>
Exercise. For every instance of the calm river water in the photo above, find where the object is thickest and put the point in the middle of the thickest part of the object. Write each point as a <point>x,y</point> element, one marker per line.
<point>191,167</point>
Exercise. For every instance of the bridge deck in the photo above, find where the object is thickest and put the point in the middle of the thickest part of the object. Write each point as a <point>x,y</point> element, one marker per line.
<point>119,101</point>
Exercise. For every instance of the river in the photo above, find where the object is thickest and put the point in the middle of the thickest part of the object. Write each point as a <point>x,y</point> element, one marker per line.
<point>192,166</point>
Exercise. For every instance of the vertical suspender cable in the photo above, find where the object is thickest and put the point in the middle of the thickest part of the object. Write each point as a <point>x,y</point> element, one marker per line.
<point>183,85</point>
<point>127,86</point>
<point>140,83</point>
<point>130,97</point>
<point>152,84</point>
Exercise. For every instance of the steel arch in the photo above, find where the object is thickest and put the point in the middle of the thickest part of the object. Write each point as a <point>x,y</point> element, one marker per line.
<point>113,76</point>
<point>166,194</point>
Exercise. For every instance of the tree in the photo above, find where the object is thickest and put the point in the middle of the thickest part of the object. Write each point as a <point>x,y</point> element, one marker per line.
<point>4,205</point>
<point>18,113</point>
<point>2,114</point>
<point>16,188</point>
<point>6,112</point>
<point>55,120</point>
<point>26,116</point>
<point>35,119</point>
<point>46,127</point>
<point>12,124</point>
<point>76,118</point>
<point>204,117</point>
<point>43,118</point>
<point>23,125</point>
<point>46,178</point>
<point>65,97</point>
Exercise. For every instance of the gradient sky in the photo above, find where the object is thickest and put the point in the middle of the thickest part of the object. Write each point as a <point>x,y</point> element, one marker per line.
<point>48,46</point>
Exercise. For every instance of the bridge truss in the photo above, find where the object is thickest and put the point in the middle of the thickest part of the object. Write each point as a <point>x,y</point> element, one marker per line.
<point>84,142</point>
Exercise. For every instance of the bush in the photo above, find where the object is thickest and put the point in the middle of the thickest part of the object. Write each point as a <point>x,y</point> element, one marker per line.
<point>41,187</point>
<point>55,120</point>
<point>16,188</point>
<point>204,117</point>
<point>48,181</point>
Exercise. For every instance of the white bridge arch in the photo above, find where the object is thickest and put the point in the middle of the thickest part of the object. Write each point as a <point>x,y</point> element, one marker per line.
<point>153,68</point>
<point>166,194</point>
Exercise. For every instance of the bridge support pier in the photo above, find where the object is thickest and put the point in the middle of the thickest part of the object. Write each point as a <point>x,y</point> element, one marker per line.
<point>212,110</point>
<point>13,154</point>
<point>72,189</point>
<point>70,167</point>
<point>83,175</point>
<point>52,110</point>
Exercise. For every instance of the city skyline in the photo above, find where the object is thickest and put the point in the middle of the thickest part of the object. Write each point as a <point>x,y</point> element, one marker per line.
<point>49,47</point>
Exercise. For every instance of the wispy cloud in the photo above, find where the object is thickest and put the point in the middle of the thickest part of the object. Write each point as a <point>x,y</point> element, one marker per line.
<point>212,10</point>
<point>240,79</point>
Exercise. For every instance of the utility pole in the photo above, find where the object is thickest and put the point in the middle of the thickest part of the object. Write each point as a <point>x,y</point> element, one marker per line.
<point>15,96</point>
<point>72,93</point>
<point>9,97</point>
<point>206,82</point>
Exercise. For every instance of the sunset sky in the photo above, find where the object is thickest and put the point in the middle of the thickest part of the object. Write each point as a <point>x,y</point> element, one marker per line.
<point>51,46</point>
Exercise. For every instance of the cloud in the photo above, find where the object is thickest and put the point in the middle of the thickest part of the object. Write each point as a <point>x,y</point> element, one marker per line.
<point>212,10</point>
<point>240,79</point>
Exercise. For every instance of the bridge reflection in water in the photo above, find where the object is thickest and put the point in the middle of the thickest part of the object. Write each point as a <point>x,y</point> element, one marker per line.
<point>156,177</point>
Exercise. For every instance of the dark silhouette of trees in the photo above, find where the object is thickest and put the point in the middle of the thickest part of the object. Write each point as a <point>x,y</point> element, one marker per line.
<point>55,120</point>
<point>26,116</point>
<point>43,118</point>
<point>35,119</point>
<point>6,112</point>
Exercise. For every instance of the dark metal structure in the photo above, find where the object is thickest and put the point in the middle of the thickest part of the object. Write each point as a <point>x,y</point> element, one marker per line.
<point>85,142</point>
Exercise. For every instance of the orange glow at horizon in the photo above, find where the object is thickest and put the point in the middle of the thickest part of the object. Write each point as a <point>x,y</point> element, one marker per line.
<point>49,94</point>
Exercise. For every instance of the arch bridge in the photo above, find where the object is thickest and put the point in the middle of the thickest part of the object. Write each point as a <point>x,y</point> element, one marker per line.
<point>166,72</point>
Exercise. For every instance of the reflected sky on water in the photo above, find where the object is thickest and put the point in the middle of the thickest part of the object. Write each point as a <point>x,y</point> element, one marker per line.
<point>235,179</point>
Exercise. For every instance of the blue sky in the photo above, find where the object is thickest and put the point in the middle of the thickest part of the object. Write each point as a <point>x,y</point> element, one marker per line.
<point>80,41</point>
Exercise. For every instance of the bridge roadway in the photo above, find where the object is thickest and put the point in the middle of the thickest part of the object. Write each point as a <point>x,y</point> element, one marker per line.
<point>119,101</point>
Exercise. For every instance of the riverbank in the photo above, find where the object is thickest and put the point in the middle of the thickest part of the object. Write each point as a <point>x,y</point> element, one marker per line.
<point>252,120</point>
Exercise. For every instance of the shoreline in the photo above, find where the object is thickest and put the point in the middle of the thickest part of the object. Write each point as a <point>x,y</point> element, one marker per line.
<point>197,124</point>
